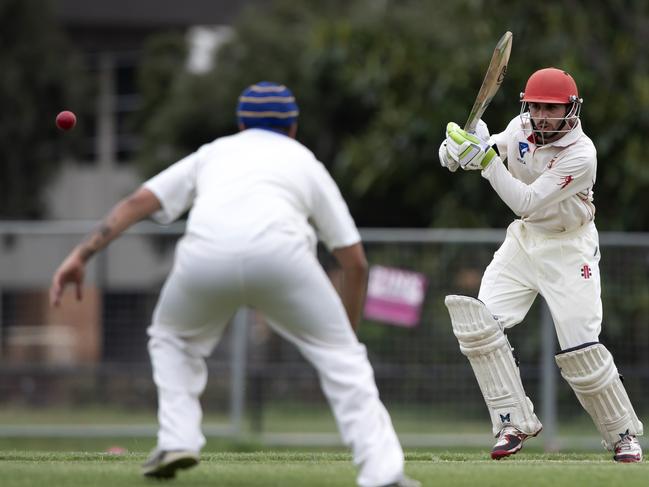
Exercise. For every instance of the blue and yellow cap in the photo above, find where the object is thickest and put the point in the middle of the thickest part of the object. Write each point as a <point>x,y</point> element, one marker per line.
<point>267,104</point>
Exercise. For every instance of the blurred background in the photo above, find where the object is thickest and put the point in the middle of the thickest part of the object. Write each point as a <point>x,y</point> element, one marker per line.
<point>376,82</point>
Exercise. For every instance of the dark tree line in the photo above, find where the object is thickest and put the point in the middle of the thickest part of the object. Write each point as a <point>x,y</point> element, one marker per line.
<point>40,74</point>
<point>376,82</point>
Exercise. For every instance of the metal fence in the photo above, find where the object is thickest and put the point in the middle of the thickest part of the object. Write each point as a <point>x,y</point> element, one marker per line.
<point>90,357</point>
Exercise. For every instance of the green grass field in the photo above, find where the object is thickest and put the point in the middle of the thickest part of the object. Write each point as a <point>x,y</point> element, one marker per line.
<point>21,468</point>
<point>83,460</point>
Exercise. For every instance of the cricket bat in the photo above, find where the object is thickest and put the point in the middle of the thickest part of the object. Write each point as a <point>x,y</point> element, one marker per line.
<point>492,80</point>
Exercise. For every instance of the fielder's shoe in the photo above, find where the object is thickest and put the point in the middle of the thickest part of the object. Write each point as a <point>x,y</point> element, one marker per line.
<point>405,482</point>
<point>510,440</point>
<point>628,449</point>
<point>163,464</point>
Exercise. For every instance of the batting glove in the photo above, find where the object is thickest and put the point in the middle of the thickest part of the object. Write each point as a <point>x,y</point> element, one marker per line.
<point>481,130</point>
<point>469,150</point>
<point>445,158</point>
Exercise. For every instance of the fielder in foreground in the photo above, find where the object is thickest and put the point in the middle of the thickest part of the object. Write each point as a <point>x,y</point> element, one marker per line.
<point>254,197</point>
<point>552,250</point>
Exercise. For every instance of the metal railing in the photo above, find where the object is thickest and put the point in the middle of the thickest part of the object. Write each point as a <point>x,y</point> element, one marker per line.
<point>416,369</point>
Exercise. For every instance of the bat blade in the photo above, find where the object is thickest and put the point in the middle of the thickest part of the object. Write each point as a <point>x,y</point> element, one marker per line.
<point>492,80</point>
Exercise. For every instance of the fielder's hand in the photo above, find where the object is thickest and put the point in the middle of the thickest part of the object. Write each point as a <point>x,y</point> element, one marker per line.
<point>72,270</point>
<point>468,149</point>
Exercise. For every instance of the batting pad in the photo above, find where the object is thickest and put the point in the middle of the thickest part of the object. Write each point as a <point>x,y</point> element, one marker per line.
<point>591,373</point>
<point>482,340</point>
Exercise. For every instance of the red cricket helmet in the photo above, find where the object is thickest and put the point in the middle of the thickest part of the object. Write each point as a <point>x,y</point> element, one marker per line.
<point>551,85</point>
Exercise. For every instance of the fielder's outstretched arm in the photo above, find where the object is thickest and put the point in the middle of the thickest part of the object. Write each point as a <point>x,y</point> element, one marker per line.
<point>128,211</point>
<point>354,266</point>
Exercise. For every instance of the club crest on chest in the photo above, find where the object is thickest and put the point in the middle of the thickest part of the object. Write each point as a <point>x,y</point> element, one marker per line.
<point>523,148</point>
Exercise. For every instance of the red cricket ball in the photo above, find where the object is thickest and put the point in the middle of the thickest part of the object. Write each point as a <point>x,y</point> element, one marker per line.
<point>66,120</point>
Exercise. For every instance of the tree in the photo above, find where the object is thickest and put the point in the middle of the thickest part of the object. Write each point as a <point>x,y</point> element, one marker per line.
<point>40,76</point>
<point>377,82</point>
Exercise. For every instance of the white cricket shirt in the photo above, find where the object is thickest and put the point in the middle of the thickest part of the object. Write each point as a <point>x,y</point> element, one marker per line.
<point>550,186</point>
<point>248,187</point>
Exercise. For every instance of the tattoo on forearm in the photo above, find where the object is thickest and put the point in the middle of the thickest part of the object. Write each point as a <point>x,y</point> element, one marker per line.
<point>104,230</point>
<point>95,241</point>
<point>86,253</point>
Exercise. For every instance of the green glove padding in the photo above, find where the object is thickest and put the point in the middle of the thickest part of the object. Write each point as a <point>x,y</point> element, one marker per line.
<point>471,152</point>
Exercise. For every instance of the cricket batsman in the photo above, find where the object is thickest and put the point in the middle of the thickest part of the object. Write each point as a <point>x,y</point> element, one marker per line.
<point>552,249</point>
<point>258,200</point>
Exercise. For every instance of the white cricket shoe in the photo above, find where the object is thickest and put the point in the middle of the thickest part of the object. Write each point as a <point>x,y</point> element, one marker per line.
<point>163,464</point>
<point>510,441</point>
<point>628,449</point>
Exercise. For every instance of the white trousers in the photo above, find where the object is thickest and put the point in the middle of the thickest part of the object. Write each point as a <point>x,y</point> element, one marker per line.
<point>563,269</point>
<point>284,281</point>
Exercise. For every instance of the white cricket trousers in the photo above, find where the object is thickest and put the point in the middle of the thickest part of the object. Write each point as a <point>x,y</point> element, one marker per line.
<point>283,280</point>
<point>563,268</point>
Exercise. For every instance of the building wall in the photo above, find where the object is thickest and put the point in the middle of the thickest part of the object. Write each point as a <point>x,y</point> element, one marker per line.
<point>110,36</point>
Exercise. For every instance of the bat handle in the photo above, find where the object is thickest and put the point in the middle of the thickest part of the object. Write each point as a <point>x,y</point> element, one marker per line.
<point>470,126</point>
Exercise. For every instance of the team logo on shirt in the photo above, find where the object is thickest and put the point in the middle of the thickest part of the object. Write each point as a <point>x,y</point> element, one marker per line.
<point>586,272</point>
<point>523,148</point>
<point>565,181</point>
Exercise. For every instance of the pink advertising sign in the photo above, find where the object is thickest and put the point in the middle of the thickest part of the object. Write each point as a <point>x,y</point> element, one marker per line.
<point>395,296</point>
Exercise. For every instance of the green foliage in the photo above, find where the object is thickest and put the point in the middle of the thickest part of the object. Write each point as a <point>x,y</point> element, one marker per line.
<point>164,57</point>
<point>40,77</point>
<point>377,82</point>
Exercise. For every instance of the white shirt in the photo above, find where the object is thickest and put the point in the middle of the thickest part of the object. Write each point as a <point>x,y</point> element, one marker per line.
<point>248,187</point>
<point>550,186</point>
